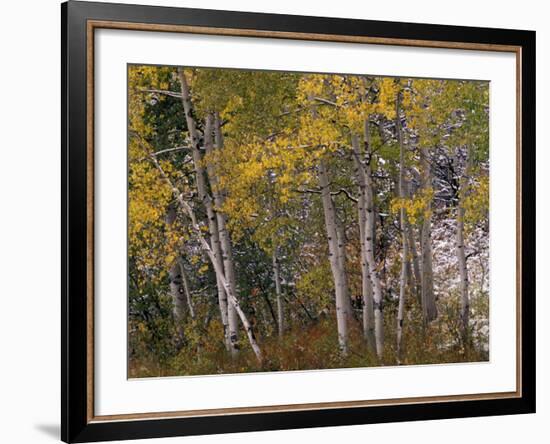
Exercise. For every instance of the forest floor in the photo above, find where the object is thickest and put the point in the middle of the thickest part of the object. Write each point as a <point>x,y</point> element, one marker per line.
<point>311,347</point>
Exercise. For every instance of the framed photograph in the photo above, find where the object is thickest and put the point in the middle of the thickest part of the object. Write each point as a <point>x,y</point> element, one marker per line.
<point>275,221</point>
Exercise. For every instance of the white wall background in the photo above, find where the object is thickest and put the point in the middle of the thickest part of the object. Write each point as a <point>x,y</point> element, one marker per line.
<point>30,221</point>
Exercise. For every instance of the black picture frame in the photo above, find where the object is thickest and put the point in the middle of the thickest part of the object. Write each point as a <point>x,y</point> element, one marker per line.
<point>76,423</point>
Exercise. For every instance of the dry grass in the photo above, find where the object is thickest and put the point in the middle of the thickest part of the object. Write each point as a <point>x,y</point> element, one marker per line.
<point>315,347</point>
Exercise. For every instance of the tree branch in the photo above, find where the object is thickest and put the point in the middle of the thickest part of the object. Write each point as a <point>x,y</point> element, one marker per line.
<point>308,190</point>
<point>170,150</point>
<point>332,193</point>
<point>325,101</point>
<point>346,192</point>
<point>160,91</point>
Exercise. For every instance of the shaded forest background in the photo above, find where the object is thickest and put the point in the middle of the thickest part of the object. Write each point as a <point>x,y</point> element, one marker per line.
<point>286,221</point>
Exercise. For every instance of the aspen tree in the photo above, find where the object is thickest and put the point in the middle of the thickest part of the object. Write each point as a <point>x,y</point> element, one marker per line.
<point>228,319</point>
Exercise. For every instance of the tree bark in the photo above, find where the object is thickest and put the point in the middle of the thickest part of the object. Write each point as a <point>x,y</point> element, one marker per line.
<point>415,263</point>
<point>278,292</point>
<point>178,297</point>
<point>177,291</point>
<point>405,250</point>
<point>336,261</point>
<point>342,261</point>
<point>460,252</point>
<point>225,238</point>
<point>370,228</point>
<point>227,313</point>
<point>429,308</point>
<point>403,287</point>
<point>185,283</point>
<point>366,284</point>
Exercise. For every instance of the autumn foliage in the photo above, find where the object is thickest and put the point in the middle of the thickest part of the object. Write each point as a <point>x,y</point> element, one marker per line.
<point>290,221</point>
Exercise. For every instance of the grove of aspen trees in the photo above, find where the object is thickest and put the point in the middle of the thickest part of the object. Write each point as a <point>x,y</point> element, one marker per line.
<point>285,221</point>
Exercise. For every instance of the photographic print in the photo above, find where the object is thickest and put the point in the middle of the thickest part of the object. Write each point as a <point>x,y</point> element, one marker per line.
<point>282,221</point>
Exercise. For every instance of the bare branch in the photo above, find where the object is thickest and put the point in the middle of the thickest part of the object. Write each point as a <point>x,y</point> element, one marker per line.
<point>346,193</point>
<point>332,193</point>
<point>168,150</point>
<point>308,190</point>
<point>325,101</point>
<point>160,91</point>
<point>171,150</point>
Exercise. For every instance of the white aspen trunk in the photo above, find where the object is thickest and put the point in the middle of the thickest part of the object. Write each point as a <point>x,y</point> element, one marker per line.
<point>402,289</point>
<point>341,240</point>
<point>177,291</point>
<point>229,268</point>
<point>408,258</point>
<point>231,297</point>
<point>429,308</point>
<point>278,292</point>
<point>338,273</point>
<point>204,197</point>
<point>366,285</point>
<point>224,313</point>
<point>405,251</point>
<point>178,297</point>
<point>370,229</point>
<point>415,263</point>
<point>185,283</point>
<point>460,252</point>
<point>225,238</point>
<point>464,296</point>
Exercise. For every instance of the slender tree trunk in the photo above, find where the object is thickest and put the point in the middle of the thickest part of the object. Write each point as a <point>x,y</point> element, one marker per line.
<point>415,263</point>
<point>185,283</point>
<point>225,239</point>
<point>370,229</point>
<point>405,250</point>
<point>461,254</point>
<point>429,308</point>
<point>278,292</point>
<point>342,261</point>
<point>336,261</point>
<point>230,295</point>
<point>403,287</point>
<point>218,269</point>
<point>270,307</point>
<point>224,309</point>
<point>464,296</point>
<point>227,312</point>
<point>366,285</point>
<point>178,297</point>
<point>177,291</point>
